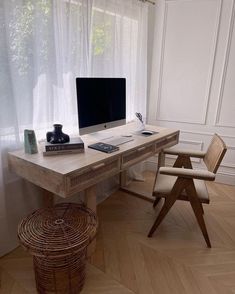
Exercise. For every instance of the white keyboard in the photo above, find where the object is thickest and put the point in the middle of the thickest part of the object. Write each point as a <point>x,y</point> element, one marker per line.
<point>116,141</point>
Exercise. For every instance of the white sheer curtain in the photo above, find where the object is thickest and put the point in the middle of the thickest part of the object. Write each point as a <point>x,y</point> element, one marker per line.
<point>121,28</point>
<point>45,45</point>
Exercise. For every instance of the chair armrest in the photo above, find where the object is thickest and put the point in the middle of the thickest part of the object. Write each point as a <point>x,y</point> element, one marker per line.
<point>191,153</point>
<point>187,173</point>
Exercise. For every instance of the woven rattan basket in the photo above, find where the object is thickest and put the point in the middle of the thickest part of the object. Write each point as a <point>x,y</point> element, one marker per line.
<point>57,238</point>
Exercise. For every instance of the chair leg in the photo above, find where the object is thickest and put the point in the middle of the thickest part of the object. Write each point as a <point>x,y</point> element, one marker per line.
<point>202,208</point>
<point>156,201</point>
<point>197,209</point>
<point>169,201</point>
<point>160,217</point>
<point>183,161</point>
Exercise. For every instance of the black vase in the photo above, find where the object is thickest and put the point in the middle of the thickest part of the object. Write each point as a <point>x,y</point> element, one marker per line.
<point>57,136</point>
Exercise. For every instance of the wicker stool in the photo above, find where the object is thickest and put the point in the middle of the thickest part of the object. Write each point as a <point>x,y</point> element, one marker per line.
<point>58,237</point>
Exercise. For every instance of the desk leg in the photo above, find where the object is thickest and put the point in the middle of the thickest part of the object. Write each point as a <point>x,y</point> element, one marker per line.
<point>90,201</point>
<point>161,159</point>
<point>48,198</point>
<point>90,197</point>
<point>123,179</point>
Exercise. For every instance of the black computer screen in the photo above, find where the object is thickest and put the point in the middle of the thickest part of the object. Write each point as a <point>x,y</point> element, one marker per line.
<point>100,100</point>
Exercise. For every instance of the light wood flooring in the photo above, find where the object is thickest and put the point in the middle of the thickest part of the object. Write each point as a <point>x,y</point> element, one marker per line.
<point>174,260</point>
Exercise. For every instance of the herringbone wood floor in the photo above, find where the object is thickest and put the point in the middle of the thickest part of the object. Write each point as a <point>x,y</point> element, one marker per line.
<point>175,260</point>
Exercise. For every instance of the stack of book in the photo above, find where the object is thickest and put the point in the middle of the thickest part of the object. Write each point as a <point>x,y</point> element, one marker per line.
<point>75,145</point>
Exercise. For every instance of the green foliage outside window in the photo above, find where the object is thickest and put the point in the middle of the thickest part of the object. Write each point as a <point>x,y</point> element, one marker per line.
<point>100,39</point>
<point>34,19</point>
<point>22,28</point>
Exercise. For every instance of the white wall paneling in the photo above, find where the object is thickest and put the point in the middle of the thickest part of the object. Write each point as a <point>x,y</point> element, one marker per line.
<point>190,32</point>
<point>193,76</point>
<point>225,114</point>
<point>229,160</point>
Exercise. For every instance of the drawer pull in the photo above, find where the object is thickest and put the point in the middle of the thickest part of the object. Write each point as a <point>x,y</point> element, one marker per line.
<point>141,149</point>
<point>98,166</point>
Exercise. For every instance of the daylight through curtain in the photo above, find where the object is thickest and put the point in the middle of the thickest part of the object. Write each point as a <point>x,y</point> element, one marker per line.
<point>45,45</point>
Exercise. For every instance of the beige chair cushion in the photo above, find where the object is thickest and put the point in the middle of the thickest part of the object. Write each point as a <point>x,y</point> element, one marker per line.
<point>165,183</point>
<point>191,153</point>
<point>188,173</point>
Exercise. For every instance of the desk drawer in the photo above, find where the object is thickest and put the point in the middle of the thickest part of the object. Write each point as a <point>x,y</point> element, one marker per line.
<point>169,141</point>
<point>137,155</point>
<point>94,174</point>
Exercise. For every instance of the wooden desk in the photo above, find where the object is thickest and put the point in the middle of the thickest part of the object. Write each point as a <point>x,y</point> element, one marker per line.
<point>65,175</point>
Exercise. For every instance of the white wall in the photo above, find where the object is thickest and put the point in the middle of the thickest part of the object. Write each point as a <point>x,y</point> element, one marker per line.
<point>193,74</point>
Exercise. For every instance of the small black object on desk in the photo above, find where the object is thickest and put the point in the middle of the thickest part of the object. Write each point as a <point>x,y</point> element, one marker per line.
<point>57,136</point>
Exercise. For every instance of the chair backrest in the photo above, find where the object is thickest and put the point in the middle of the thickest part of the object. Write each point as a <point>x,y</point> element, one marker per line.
<point>215,153</point>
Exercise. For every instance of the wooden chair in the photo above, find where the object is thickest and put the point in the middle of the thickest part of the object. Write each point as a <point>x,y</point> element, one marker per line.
<point>182,182</point>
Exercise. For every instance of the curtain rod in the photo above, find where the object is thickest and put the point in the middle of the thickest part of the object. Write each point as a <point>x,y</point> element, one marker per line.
<point>149,1</point>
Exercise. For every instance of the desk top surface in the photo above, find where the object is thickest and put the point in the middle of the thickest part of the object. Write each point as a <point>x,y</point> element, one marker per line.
<point>68,163</point>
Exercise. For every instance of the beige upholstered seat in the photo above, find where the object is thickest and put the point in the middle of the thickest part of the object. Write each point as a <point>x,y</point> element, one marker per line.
<point>181,182</point>
<point>165,183</point>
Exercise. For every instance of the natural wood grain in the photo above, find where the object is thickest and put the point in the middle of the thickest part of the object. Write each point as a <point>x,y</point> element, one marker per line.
<point>48,198</point>
<point>65,175</point>
<point>164,264</point>
<point>18,278</point>
<point>172,261</point>
<point>174,194</point>
<point>197,209</point>
<point>182,183</point>
<point>215,153</point>
<point>90,201</point>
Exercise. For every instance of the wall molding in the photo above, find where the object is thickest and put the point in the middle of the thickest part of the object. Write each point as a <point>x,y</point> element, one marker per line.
<point>206,134</point>
<point>191,142</point>
<point>185,0</point>
<point>226,164</point>
<point>229,147</point>
<point>226,174</point>
<point>161,60</point>
<point>225,68</point>
<point>210,69</point>
<point>225,178</point>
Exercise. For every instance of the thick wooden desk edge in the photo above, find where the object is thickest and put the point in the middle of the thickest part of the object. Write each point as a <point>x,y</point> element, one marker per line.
<point>65,175</point>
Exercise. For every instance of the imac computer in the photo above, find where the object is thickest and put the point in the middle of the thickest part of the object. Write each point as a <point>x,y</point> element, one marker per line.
<point>101,103</point>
